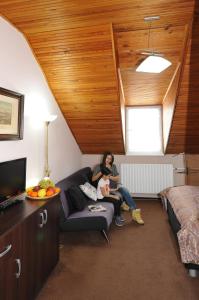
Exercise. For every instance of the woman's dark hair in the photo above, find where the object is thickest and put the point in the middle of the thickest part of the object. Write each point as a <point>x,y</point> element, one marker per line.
<point>105,156</point>
<point>105,171</point>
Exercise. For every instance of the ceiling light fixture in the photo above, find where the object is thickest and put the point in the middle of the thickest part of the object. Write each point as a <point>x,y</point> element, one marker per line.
<point>154,63</point>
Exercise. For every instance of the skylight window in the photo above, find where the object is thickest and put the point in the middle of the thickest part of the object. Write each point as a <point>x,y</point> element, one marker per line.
<point>144,130</point>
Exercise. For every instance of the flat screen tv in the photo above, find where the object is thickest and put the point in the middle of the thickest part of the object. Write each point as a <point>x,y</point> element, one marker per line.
<point>12,178</point>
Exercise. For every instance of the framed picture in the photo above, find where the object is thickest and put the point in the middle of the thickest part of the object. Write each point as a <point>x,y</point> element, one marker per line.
<point>11,115</point>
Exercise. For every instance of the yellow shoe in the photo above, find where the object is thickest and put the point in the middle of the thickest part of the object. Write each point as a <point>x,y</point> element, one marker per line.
<point>136,216</point>
<point>124,206</point>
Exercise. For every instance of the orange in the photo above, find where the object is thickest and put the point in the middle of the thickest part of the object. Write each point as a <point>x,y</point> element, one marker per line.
<point>57,189</point>
<point>29,193</point>
<point>33,194</point>
<point>49,193</point>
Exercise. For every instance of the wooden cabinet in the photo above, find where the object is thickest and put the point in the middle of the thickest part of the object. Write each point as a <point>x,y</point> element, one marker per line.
<point>10,264</point>
<point>50,242</point>
<point>34,248</point>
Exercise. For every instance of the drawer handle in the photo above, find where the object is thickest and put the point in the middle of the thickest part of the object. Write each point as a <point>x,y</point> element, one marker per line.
<point>19,268</point>
<point>6,250</point>
<point>42,220</point>
<point>46,216</point>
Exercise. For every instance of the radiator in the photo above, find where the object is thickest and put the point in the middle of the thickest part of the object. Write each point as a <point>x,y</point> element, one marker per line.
<point>146,178</point>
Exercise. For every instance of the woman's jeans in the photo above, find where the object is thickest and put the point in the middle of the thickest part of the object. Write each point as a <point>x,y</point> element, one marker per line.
<point>116,204</point>
<point>127,197</point>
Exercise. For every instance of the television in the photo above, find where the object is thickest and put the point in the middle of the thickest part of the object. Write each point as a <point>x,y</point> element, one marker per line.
<point>12,178</point>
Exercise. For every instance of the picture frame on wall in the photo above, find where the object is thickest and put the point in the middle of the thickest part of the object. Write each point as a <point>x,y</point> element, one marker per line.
<point>11,115</point>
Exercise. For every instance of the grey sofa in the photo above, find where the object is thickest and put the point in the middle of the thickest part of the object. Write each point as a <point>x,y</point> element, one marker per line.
<point>83,220</point>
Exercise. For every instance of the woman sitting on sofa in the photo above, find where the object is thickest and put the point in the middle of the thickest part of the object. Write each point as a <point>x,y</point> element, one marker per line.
<point>107,162</point>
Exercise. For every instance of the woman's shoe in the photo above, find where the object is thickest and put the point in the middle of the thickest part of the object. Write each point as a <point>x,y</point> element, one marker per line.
<point>122,219</point>
<point>124,206</point>
<point>118,221</point>
<point>136,216</point>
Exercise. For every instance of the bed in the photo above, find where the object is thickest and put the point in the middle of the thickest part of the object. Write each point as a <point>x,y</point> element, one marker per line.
<point>182,205</point>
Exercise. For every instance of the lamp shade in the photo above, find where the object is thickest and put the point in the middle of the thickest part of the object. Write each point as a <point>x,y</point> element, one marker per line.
<point>50,118</point>
<point>153,64</point>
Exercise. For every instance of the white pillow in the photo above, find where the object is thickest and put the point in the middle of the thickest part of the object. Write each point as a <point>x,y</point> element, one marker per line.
<point>89,190</point>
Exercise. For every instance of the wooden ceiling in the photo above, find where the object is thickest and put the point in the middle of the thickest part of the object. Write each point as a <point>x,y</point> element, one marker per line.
<point>184,134</point>
<point>79,52</point>
<point>145,88</point>
<point>80,67</point>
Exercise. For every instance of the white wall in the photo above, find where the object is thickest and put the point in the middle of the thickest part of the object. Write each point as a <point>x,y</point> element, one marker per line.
<point>176,160</point>
<point>20,72</point>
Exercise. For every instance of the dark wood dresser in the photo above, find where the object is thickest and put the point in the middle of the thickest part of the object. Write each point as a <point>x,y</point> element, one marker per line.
<point>29,247</point>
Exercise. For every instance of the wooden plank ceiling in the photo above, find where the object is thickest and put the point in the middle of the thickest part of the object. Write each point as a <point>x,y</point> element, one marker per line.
<point>79,65</point>
<point>73,42</point>
<point>146,88</point>
<point>184,134</point>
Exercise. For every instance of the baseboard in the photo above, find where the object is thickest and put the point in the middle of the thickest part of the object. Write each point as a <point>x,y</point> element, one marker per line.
<point>142,195</point>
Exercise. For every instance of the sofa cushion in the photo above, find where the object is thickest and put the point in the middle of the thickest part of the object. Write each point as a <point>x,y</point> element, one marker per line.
<point>76,199</point>
<point>89,190</point>
<point>70,206</point>
<point>87,220</point>
<point>77,178</point>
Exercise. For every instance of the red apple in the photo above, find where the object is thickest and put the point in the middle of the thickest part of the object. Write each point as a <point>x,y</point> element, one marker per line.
<point>36,188</point>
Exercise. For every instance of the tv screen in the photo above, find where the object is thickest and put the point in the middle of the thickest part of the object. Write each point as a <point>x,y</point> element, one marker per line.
<point>12,178</point>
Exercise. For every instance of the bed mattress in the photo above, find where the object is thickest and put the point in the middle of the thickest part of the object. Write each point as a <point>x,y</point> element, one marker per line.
<point>185,220</point>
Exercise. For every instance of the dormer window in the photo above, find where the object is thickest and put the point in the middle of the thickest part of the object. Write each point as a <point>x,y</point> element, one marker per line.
<point>144,130</point>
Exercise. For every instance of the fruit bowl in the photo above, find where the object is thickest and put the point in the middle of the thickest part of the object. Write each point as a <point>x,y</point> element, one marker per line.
<point>41,198</point>
<point>42,194</point>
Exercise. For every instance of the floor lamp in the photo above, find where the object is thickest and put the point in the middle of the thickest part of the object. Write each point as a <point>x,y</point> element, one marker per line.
<point>48,120</point>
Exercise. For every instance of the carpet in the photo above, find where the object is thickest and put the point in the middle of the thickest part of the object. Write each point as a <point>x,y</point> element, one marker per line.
<point>141,262</point>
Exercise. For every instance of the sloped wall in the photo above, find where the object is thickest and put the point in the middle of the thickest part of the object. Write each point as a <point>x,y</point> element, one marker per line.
<point>81,70</point>
<point>21,73</point>
<point>184,134</point>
